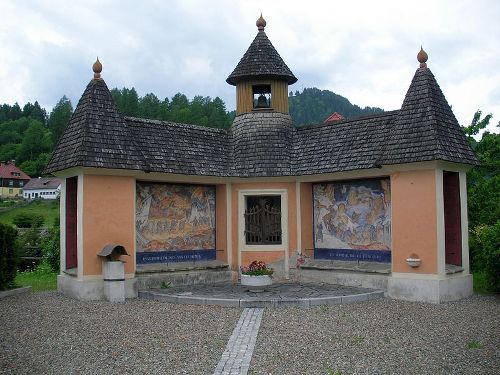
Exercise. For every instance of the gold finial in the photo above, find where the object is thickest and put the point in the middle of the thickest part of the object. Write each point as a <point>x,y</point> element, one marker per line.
<point>261,23</point>
<point>97,68</point>
<point>422,58</point>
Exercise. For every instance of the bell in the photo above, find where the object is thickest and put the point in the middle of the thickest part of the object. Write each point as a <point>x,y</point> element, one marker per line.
<point>262,102</point>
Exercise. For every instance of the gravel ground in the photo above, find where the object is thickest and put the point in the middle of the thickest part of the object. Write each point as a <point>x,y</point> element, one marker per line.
<point>45,333</point>
<point>381,337</point>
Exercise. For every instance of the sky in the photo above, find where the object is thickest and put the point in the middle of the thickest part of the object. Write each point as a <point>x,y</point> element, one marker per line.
<point>363,50</point>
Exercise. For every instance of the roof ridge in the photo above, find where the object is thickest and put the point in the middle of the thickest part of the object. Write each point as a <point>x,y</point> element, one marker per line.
<point>348,120</point>
<point>167,122</point>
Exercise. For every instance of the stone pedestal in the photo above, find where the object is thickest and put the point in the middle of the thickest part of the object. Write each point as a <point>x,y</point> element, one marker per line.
<point>114,281</point>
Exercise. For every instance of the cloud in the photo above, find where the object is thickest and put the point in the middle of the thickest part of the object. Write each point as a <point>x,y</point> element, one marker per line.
<point>365,51</point>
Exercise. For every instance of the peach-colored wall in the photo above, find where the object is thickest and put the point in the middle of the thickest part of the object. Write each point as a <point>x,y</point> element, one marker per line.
<point>109,217</point>
<point>292,218</point>
<point>414,216</point>
<point>306,212</point>
<point>221,222</point>
<point>266,256</point>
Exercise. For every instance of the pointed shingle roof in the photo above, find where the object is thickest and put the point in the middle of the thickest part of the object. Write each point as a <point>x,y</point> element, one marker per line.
<point>261,60</point>
<point>96,135</point>
<point>425,127</point>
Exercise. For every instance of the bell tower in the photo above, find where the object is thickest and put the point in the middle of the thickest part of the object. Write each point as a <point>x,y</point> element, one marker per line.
<point>261,77</point>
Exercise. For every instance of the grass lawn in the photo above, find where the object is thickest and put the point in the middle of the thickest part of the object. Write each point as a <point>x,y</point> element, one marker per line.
<point>480,285</point>
<point>42,278</point>
<point>48,210</point>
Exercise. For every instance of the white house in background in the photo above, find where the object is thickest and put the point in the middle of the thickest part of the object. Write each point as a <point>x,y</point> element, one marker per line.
<point>45,188</point>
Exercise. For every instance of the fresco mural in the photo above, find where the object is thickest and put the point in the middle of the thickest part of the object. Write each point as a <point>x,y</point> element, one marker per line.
<point>352,220</point>
<point>174,223</point>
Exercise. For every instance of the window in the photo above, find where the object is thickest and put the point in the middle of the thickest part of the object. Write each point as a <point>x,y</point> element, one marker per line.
<point>261,96</point>
<point>11,191</point>
<point>263,220</point>
<point>11,182</point>
<point>21,183</point>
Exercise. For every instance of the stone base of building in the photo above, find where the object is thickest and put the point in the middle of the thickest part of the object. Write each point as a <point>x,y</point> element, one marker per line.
<point>355,279</point>
<point>90,289</point>
<point>429,288</point>
<point>175,278</point>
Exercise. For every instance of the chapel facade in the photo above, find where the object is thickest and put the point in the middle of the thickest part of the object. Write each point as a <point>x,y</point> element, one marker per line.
<point>376,201</point>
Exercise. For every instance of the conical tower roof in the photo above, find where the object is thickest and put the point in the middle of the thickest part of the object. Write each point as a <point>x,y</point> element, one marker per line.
<point>425,127</point>
<point>97,135</point>
<point>261,60</point>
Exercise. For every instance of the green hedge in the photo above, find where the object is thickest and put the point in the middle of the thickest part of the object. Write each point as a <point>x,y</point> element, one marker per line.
<point>485,254</point>
<point>8,256</point>
<point>25,220</point>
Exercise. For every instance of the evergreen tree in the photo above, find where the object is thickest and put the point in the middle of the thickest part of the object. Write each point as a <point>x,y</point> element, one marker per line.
<point>59,118</point>
<point>35,141</point>
<point>35,112</point>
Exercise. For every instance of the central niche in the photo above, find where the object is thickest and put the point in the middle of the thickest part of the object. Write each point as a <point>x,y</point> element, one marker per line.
<point>263,220</point>
<point>174,222</point>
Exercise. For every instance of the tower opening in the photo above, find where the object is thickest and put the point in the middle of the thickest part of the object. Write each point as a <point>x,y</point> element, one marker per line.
<point>261,96</point>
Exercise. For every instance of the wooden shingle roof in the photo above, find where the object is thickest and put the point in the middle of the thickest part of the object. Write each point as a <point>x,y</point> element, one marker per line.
<point>425,127</point>
<point>261,60</point>
<point>97,135</point>
<point>263,144</point>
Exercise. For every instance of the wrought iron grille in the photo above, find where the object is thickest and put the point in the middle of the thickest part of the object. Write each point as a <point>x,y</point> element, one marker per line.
<point>263,224</point>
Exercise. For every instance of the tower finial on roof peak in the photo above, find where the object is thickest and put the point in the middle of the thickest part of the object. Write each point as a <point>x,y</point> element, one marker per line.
<point>261,23</point>
<point>97,68</point>
<point>422,58</point>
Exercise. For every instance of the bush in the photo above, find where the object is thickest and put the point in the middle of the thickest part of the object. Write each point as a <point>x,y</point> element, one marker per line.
<point>28,221</point>
<point>485,253</point>
<point>51,250</point>
<point>29,242</point>
<point>8,256</point>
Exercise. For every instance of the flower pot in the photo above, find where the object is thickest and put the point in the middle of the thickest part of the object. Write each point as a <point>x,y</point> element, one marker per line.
<point>256,283</point>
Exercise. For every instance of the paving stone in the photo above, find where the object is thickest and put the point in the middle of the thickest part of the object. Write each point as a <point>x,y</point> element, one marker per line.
<point>238,354</point>
<point>280,294</point>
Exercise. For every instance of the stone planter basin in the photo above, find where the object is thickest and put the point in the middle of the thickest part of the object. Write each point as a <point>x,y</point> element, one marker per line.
<point>256,282</point>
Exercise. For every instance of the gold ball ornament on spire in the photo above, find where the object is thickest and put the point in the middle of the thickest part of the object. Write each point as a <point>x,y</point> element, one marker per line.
<point>422,58</point>
<point>97,68</point>
<point>261,23</point>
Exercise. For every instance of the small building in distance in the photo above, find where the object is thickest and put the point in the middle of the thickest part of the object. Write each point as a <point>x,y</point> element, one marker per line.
<point>44,188</point>
<point>12,180</point>
<point>334,117</point>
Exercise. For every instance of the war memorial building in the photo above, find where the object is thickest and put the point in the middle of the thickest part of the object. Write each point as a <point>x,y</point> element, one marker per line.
<point>377,201</point>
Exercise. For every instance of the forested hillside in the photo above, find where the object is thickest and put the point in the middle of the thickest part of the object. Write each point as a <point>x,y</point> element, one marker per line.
<point>28,135</point>
<point>313,106</point>
<point>200,110</point>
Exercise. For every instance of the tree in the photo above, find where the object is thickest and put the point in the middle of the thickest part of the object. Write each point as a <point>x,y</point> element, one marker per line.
<point>149,106</point>
<point>35,112</point>
<point>477,124</point>
<point>59,118</point>
<point>483,187</point>
<point>35,141</point>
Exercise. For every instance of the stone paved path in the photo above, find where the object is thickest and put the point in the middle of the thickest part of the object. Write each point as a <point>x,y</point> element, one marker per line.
<point>236,358</point>
<point>277,295</point>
